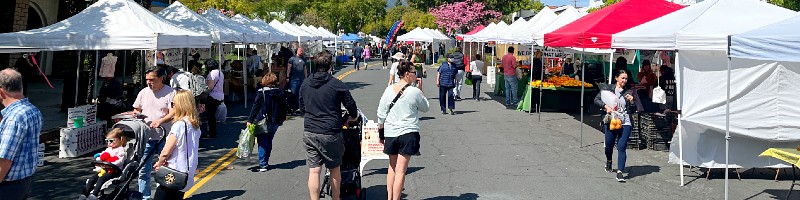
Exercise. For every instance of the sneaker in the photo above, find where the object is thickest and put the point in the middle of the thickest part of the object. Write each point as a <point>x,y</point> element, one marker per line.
<point>620,177</point>
<point>91,197</point>
<point>452,112</point>
<point>608,167</point>
<point>444,112</point>
<point>263,169</point>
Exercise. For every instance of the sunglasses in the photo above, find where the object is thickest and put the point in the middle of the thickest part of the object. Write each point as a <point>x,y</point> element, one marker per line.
<point>172,104</point>
<point>108,141</point>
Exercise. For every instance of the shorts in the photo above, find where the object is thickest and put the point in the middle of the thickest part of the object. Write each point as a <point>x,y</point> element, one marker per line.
<point>406,144</point>
<point>323,149</point>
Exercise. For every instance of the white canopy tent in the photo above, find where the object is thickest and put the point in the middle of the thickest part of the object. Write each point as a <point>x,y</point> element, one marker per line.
<point>492,34</point>
<point>109,25</point>
<point>302,33</point>
<point>471,38</point>
<point>216,17</point>
<point>417,35</point>
<point>567,16</point>
<point>535,24</point>
<point>277,35</point>
<point>18,49</point>
<point>327,32</point>
<point>316,32</point>
<point>435,34</point>
<point>301,37</point>
<point>516,27</point>
<point>182,16</point>
<point>700,33</point>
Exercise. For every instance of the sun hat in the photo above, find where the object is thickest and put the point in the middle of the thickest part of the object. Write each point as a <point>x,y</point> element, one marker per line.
<point>399,56</point>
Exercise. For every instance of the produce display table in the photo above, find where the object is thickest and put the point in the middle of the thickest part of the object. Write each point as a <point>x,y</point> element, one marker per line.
<point>556,98</point>
<point>789,155</point>
<point>500,87</point>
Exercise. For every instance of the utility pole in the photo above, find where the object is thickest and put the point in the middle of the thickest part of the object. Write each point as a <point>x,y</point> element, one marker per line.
<point>575,3</point>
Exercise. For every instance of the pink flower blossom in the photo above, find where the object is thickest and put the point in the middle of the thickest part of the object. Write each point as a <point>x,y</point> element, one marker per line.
<point>457,16</point>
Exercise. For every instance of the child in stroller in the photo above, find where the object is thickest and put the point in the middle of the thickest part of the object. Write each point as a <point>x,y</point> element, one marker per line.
<point>134,129</point>
<point>115,155</point>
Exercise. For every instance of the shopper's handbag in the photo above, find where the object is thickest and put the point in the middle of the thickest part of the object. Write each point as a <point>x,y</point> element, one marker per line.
<point>380,130</point>
<point>172,178</point>
<point>261,125</point>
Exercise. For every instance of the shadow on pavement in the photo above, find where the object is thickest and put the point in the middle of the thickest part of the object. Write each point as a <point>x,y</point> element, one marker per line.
<point>356,85</point>
<point>635,171</point>
<point>223,195</point>
<point>426,118</point>
<point>289,165</point>
<point>379,192</point>
<point>775,194</point>
<point>464,112</point>
<point>466,196</point>
<point>410,170</point>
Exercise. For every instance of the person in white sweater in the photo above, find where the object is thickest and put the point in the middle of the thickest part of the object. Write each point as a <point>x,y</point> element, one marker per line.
<point>400,121</point>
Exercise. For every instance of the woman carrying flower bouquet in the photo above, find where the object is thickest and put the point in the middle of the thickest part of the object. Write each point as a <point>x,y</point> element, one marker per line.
<point>616,99</point>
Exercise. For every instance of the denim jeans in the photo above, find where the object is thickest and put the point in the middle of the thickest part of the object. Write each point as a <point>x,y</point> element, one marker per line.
<point>611,136</point>
<point>294,85</point>
<point>459,82</point>
<point>476,86</point>
<point>511,89</point>
<point>265,144</point>
<point>153,147</point>
<point>446,94</point>
<point>356,62</point>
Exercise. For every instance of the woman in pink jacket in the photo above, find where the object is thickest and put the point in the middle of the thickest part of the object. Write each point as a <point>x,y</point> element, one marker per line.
<point>367,54</point>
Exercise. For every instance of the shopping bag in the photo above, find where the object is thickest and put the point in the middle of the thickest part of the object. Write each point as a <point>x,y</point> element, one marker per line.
<point>468,81</point>
<point>222,113</point>
<point>246,143</point>
<point>659,96</point>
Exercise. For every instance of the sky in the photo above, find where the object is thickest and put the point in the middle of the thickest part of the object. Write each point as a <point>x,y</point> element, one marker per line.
<point>581,3</point>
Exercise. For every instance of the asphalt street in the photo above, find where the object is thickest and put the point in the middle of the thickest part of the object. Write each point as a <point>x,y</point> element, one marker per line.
<point>485,151</point>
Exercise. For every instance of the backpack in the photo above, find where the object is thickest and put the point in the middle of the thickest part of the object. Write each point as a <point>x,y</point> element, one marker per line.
<point>199,87</point>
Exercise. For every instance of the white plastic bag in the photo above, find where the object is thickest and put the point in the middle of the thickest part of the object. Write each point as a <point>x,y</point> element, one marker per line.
<point>659,96</point>
<point>246,143</point>
<point>609,98</point>
<point>222,113</point>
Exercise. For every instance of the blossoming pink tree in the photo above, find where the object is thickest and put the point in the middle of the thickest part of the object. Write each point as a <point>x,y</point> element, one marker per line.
<point>462,16</point>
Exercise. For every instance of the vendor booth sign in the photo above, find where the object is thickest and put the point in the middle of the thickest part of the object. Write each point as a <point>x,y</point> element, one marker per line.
<point>371,146</point>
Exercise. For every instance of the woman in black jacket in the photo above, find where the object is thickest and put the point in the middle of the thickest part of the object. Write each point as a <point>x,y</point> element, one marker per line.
<point>270,105</point>
<point>624,99</point>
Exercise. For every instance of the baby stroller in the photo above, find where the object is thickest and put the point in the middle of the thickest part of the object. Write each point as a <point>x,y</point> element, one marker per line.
<point>137,132</point>
<point>351,161</point>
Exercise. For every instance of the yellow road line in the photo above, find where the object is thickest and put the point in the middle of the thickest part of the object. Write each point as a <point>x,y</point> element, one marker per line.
<point>209,177</point>
<point>228,158</point>
<point>211,167</point>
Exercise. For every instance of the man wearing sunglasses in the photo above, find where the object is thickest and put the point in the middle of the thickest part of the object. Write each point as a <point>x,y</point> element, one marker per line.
<point>155,102</point>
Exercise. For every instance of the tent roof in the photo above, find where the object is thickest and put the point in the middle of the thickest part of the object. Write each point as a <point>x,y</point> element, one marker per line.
<point>327,32</point>
<point>109,25</point>
<point>761,43</point>
<point>703,26</point>
<point>258,28</point>
<point>316,32</point>
<point>182,16</point>
<point>290,31</point>
<point>301,31</point>
<point>567,16</point>
<point>595,29</point>
<point>475,30</point>
<point>217,17</point>
<point>350,37</point>
<point>492,34</point>
<point>416,35</point>
<point>17,49</point>
<point>279,37</point>
<point>536,23</point>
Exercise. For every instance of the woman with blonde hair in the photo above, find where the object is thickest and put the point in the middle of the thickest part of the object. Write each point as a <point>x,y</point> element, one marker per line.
<point>180,149</point>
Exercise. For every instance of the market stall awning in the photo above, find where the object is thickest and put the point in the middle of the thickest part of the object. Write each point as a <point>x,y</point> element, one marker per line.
<point>567,16</point>
<point>538,22</point>
<point>595,29</point>
<point>109,25</point>
<point>703,26</point>
<point>182,16</point>
<point>17,49</point>
<point>479,28</point>
<point>350,37</point>
<point>260,29</point>
<point>280,37</point>
<point>760,44</point>
<point>217,17</point>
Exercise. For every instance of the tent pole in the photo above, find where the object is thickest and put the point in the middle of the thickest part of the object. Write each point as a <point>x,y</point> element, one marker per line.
<point>124,64</point>
<point>77,77</point>
<point>678,96</point>
<point>541,78</point>
<point>583,88</point>
<point>610,66</point>
<point>530,101</point>
<point>728,122</point>
<point>94,69</point>
<point>244,74</point>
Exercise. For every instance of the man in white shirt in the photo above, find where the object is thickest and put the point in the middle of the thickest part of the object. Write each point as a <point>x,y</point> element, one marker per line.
<point>179,79</point>
<point>477,76</point>
<point>253,62</point>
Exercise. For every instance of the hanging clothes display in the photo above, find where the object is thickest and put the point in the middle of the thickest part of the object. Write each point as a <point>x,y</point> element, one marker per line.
<point>108,66</point>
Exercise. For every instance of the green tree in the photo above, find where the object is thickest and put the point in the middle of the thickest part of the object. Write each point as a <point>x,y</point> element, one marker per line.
<point>606,3</point>
<point>536,5</point>
<point>788,4</point>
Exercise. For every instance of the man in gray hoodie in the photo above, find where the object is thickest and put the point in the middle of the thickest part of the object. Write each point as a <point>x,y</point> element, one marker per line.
<point>321,99</point>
